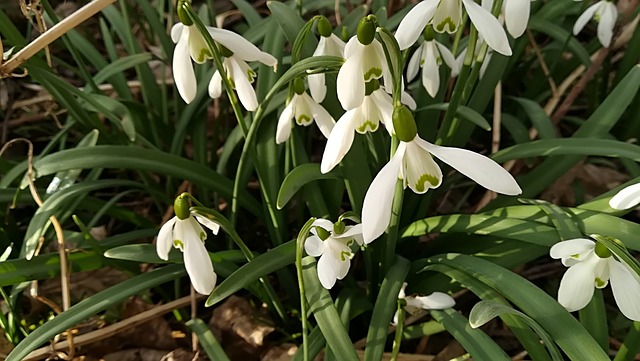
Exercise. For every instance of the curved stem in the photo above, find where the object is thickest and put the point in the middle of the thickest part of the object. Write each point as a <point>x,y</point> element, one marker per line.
<point>302,236</point>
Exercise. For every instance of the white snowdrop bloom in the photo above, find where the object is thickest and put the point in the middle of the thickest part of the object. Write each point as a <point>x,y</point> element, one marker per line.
<point>190,45</point>
<point>328,45</point>
<point>414,164</point>
<point>304,110</point>
<point>376,107</point>
<point>332,243</point>
<point>429,56</point>
<point>627,198</point>
<point>446,16</point>
<point>415,303</point>
<point>606,14</point>
<point>188,235</point>
<point>593,265</point>
<point>514,13</point>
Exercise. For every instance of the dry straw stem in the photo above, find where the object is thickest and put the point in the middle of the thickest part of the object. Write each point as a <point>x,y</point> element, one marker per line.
<point>52,34</point>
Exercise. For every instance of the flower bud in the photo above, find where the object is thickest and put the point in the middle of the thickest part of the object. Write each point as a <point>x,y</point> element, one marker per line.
<point>428,33</point>
<point>366,30</point>
<point>602,251</point>
<point>338,228</point>
<point>181,207</point>
<point>298,86</point>
<point>404,124</point>
<point>324,27</point>
<point>183,16</point>
<point>322,233</point>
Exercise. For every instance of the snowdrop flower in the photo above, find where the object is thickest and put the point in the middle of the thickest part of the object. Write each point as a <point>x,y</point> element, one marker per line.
<point>376,107</point>
<point>414,165</point>
<point>429,57</point>
<point>414,303</point>
<point>190,45</point>
<point>515,14</point>
<point>185,233</point>
<point>329,44</point>
<point>304,110</point>
<point>364,61</point>
<point>332,243</point>
<point>605,13</point>
<point>590,265</point>
<point>626,198</point>
<point>237,51</point>
<point>446,16</point>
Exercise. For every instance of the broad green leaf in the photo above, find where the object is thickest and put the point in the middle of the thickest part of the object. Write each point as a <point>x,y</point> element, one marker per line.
<point>462,111</point>
<point>298,177</point>
<point>66,178</point>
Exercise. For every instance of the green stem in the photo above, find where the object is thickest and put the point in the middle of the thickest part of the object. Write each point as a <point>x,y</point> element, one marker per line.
<point>399,329</point>
<point>396,208</point>
<point>302,236</point>
<point>631,344</point>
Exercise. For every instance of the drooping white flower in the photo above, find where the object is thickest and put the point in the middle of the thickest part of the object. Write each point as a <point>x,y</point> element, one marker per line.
<point>304,110</point>
<point>414,164</point>
<point>363,63</point>
<point>333,248</point>
<point>376,107</point>
<point>587,269</point>
<point>188,236</point>
<point>191,44</point>
<point>627,198</point>
<point>429,56</point>
<point>331,45</point>
<point>606,14</point>
<point>446,16</point>
<point>515,14</point>
<point>415,303</point>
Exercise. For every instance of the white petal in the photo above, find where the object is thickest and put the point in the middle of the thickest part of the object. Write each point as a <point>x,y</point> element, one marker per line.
<point>350,231</point>
<point>327,270</point>
<point>183,74</point>
<point>406,99</point>
<point>199,267</point>
<point>176,31</point>
<point>585,17</point>
<point>436,301</point>
<point>414,63</point>
<point>627,198</point>
<point>283,130</point>
<point>419,170</point>
<point>324,120</point>
<point>245,91</point>
<point>215,85</point>
<point>608,15</point>
<point>449,59</point>
<point>626,290</point>
<point>489,27</point>
<point>516,16</point>
<point>165,239</point>
<point>213,226</point>
<point>413,23</point>
<point>241,47</point>
<point>339,142</point>
<point>314,246</point>
<point>350,83</point>
<point>431,71</point>
<point>479,168</point>
<point>376,208</point>
<point>571,248</point>
<point>198,47</point>
<point>576,286</point>
<point>317,86</point>
<point>384,108</point>
<point>324,223</point>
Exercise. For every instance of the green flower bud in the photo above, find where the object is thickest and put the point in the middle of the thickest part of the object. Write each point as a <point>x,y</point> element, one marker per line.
<point>366,31</point>
<point>338,227</point>
<point>324,27</point>
<point>344,33</point>
<point>428,33</point>
<point>181,207</point>
<point>224,51</point>
<point>322,233</point>
<point>602,251</point>
<point>183,16</point>
<point>404,124</point>
<point>371,86</point>
<point>298,86</point>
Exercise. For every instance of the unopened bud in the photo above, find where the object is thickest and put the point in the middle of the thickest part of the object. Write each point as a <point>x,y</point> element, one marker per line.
<point>324,27</point>
<point>404,124</point>
<point>322,233</point>
<point>338,228</point>
<point>181,207</point>
<point>428,33</point>
<point>298,86</point>
<point>366,30</point>
<point>183,16</point>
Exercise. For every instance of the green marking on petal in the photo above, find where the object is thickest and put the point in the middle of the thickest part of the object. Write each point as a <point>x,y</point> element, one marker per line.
<point>251,75</point>
<point>178,244</point>
<point>576,256</point>
<point>344,256</point>
<point>303,119</point>
<point>367,124</point>
<point>373,73</point>
<point>420,184</point>
<point>446,23</point>
<point>600,283</point>
<point>203,236</point>
<point>203,55</point>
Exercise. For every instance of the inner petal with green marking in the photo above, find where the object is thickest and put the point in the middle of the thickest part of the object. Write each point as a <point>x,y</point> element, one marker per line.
<point>419,171</point>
